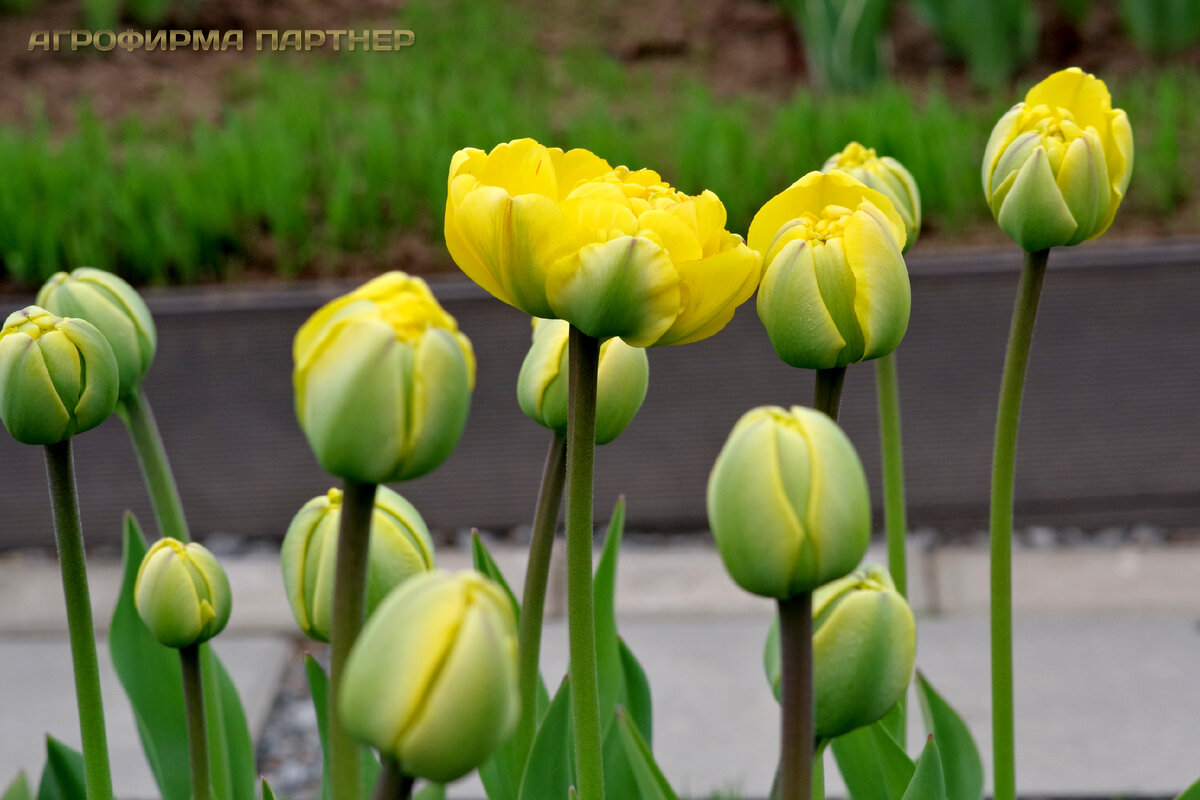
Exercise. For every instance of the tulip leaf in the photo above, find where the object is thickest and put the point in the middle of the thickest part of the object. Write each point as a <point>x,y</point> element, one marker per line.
<point>267,792</point>
<point>959,755</point>
<point>487,565</point>
<point>318,689</point>
<point>1190,793</point>
<point>550,771</point>
<point>636,697</point>
<point>572,794</point>
<point>18,789</point>
<point>619,779</point>
<point>62,777</point>
<point>873,764</point>
<point>433,791</point>
<point>651,783</point>
<point>894,722</point>
<point>239,747</point>
<point>608,649</point>
<point>928,782</point>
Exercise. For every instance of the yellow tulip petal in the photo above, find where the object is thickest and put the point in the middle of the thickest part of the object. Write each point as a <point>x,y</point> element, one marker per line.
<point>1084,95</point>
<point>63,365</point>
<point>789,304</point>
<point>438,404</point>
<point>1034,214</point>
<point>574,166</point>
<point>29,404</point>
<point>520,167</point>
<point>1002,135</point>
<point>673,234</point>
<point>1083,181</point>
<point>712,289</point>
<point>882,294</point>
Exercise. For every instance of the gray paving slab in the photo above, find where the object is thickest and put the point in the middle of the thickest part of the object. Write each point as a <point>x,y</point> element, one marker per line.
<point>37,697</point>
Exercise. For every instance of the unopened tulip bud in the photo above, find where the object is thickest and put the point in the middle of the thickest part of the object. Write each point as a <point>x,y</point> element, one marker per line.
<point>864,646</point>
<point>1057,165</point>
<point>542,385</point>
<point>400,548</point>
<point>432,680</point>
<point>182,593</point>
<point>383,381</point>
<point>115,309</point>
<point>788,502</point>
<point>887,176</point>
<point>58,377</point>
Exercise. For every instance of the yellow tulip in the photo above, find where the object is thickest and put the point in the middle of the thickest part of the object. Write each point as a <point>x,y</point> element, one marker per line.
<point>383,381</point>
<point>1057,165</point>
<point>836,289</point>
<point>614,252</point>
<point>182,593</point>
<point>883,174</point>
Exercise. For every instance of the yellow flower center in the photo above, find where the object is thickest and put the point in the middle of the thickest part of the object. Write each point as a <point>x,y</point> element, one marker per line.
<point>855,155</point>
<point>32,321</point>
<point>1057,128</point>
<point>411,314</point>
<point>817,229</point>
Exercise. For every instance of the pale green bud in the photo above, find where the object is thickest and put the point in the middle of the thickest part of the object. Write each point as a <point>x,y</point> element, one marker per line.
<point>115,309</point>
<point>887,176</point>
<point>182,593</point>
<point>400,547</point>
<point>383,381</point>
<point>624,374</point>
<point>788,502</point>
<point>58,377</point>
<point>432,680</point>
<point>864,647</point>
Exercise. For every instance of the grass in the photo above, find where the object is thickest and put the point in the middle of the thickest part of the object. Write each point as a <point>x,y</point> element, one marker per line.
<point>318,157</point>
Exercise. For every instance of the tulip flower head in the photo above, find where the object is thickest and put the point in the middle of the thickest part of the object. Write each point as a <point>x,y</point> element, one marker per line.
<point>400,547</point>
<point>836,289</point>
<point>1057,165</point>
<point>115,309</point>
<point>182,593</point>
<point>624,374</point>
<point>432,680</point>
<point>383,381</point>
<point>58,376</point>
<point>788,502</point>
<point>864,648</point>
<point>886,175</point>
<point>614,252</point>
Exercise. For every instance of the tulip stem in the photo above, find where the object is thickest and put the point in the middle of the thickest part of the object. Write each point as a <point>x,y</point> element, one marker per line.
<point>797,742</point>
<point>537,576</point>
<point>1004,456</point>
<point>393,784</point>
<point>60,469</point>
<point>827,394</point>
<point>193,696</point>
<point>581,626</point>
<point>156,468</point>
<point>894,513</point>
<point>349,609</point>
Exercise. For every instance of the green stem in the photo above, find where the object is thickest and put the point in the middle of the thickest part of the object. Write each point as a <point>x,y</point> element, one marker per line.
<point>393,784</point>
<point>581,625</point>
<point>156,468</point>
<point>1004,457</point>
<point>60,470</point>
<point>827,394</point>
<point>193,696</point>
<point>894,512</point>
<point>797,744</point>
<point>537,576</point>
<point>349,609</point>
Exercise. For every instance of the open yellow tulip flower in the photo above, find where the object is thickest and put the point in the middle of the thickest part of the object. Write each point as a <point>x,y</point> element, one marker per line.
<point>614,252</point>
<point>1057,165</point>
<point>836,289</point>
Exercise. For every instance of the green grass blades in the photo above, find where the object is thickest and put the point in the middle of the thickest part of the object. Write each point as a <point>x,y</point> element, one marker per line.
<point>1161,27</point>
<point>62,777</point>
<point>873,764</point>
<point>18,789</point>
<point>959,755</point>
<point>843,40</point>
<point>151,677</point>
<point>318,689</point>
<point>994,37</point>
<point>928,782</point>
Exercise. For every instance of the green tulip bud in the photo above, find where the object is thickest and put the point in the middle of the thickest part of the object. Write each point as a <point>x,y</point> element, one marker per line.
<point>542,385</point>
<point>887,176</point>
<point>400,547</point>
<point>115,309</point>
<point>864,646</point>
<point>58,377</point>
<point>182,593</point>
<point>383,380</point>
<point>432,680</point>
<point>1057,165</point>
<point>835,290</point>
<point>788,502</point>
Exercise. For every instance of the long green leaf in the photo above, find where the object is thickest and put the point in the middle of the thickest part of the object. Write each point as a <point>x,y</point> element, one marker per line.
<point>636,697</point>
<point>959,755</point>
<point>267,792</point>
<point>318,689</point>
<point>652,784</point>
<point>1190,793</point>
<point>873,764</point>
<point>550,771</point>
<point>487,565</point>
<point>242,770</point>
<point>62,777</point>
<point>608,648</point>
<point>928,782</point>
<point>619,778</point>
<point>18,789</point>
